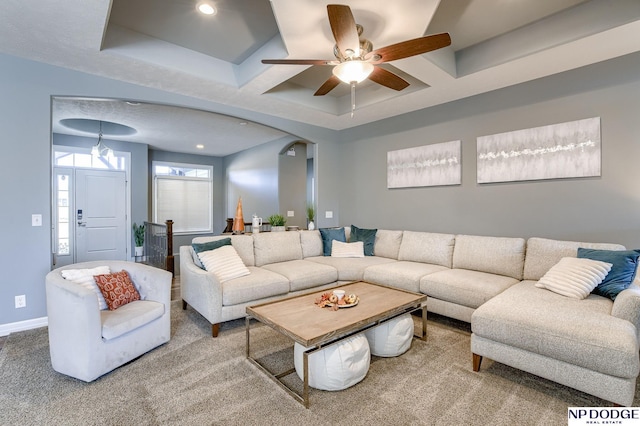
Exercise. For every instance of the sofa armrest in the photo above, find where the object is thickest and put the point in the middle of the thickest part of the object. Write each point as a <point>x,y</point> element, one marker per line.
<point>199,288</point>
<point>73,318</point>
<point>627,306</point>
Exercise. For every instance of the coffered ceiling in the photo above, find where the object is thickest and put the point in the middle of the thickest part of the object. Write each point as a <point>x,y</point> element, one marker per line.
<point>170,45</point>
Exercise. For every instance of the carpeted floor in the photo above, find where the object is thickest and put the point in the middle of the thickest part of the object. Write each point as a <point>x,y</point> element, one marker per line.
<point>195,380</point>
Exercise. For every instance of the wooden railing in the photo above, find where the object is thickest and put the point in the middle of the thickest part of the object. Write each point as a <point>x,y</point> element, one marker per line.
<point>158,245</point>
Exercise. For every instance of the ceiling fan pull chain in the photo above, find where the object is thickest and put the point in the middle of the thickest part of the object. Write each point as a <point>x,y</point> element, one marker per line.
<point>353,97</point>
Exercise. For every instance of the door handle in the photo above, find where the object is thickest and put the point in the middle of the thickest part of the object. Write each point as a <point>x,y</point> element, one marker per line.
<point>80,223</point>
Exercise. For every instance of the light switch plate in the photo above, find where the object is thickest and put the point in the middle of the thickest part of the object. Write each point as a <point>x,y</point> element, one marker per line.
<point>328,214</point>
<point>289,213</point>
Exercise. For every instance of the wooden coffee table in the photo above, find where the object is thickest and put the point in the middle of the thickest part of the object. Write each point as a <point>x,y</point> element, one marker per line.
<point>300,319</point>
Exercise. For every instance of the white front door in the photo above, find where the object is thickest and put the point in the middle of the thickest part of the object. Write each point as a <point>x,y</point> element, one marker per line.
<point>100,215</point>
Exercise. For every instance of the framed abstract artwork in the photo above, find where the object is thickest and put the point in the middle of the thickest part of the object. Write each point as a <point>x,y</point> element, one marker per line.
<point>566,150</point>
<point>430,165</point>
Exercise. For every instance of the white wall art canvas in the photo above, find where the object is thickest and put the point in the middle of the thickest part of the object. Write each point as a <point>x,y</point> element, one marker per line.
<point>566,150</point>
<point>429,165</point>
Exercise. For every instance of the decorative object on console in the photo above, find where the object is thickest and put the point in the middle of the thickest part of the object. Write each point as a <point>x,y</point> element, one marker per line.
<point>565,150</point>
<point>573,277</point>
<point>238,221</point>
<point>311,214</point>
<point>367,236</point>
<point>330,234</point>
<point>138,236</point>
<point>622,273</point>
<point>256,223</point>
<point>117,289</point>
<point>277,222</point>
<point>430,165</point>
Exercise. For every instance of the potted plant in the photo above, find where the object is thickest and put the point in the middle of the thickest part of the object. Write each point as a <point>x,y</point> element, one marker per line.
<point>311,214</point>
<point>277,222</point>
<point>138,236</point>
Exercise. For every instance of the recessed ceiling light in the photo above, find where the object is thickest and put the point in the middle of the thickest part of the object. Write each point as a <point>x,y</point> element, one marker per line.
<point>243,123</point>
<point>206,8</point>
<point>200,146</point>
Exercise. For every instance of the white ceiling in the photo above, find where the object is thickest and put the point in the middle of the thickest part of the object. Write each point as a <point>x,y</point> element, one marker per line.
<point>168,45</point>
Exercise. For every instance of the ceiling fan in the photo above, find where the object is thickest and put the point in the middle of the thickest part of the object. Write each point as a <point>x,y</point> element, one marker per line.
<point>356,59</point>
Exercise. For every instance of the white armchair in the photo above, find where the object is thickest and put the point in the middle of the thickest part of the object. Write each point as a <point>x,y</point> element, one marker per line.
<point>86,342</point>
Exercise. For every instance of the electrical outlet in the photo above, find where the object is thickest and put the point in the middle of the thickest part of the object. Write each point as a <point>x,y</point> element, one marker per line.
<point>289,213</point>
<point>36,220</point>
<point>21,301</point>
<point>328,214</point>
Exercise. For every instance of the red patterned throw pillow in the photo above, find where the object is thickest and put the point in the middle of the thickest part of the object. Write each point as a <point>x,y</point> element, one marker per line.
<point>117,289</point>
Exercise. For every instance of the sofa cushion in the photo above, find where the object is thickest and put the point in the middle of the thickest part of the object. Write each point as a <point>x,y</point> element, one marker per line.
<point>117,289</point>
<point>311,243</point>
<point>402,274</point>
<point>330,234</point>
<point>465,287</point>
<point>350,269</point>
<point>340,249</point>
<point>211,245</point>
<point>242,243</point>
<point>579,332</point>
<point>273,247</point>
<point>624,264</point>
<point>495,255</point>
<point>573,277</point>
<point>387,243</point>
<point>427,247</point>
<point>224,263</point>
<point>259,284</point>
<point>367,236</point>
<point>303,274</point>
<point>129,317</point>
<point>543,253</point>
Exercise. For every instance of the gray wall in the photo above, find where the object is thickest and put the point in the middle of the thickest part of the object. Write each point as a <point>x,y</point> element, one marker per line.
<point>605,208</point>
<point>253,175</point>
<point>292,185</point>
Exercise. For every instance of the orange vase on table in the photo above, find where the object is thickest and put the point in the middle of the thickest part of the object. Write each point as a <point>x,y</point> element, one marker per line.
<point>238,221</point>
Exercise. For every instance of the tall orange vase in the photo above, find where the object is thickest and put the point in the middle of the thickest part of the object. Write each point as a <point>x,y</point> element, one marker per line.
<point>238,221</point>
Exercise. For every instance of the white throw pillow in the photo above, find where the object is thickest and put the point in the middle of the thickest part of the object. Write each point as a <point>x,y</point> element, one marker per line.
<point>574,277</point>
<point>84,277</point>
<point>224,263</point>
<point>340,249</point>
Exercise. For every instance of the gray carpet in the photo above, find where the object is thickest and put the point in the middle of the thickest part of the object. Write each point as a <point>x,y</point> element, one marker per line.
<point>196,380</point>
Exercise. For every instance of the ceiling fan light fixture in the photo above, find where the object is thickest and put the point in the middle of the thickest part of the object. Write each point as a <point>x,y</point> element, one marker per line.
<point>206,8</point>
<point>353,71</point>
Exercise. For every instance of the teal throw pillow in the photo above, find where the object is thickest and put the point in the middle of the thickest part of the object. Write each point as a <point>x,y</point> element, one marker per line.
<point>330,234</point>
<point>211,245</point>
<point>367,236</point>
<point>622,273</point>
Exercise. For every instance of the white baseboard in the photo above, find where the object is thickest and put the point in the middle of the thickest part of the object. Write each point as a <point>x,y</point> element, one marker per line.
<point>6,329</point>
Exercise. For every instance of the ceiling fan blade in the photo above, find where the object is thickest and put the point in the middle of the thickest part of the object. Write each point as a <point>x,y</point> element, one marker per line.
<point>327,86</point>
<point>388,79</point>
<point>405,49</point>
<point>300,62</point>
<point>344,29</point>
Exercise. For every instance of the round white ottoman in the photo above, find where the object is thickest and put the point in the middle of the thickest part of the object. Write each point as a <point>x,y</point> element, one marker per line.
<point>391,338</point>
<point>335,367</point>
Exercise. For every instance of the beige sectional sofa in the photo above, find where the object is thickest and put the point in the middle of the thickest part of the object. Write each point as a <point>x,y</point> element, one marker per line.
<point>590,344</point>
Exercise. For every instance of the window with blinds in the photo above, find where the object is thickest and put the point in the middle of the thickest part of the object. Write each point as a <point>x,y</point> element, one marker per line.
<point>183,193</point>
